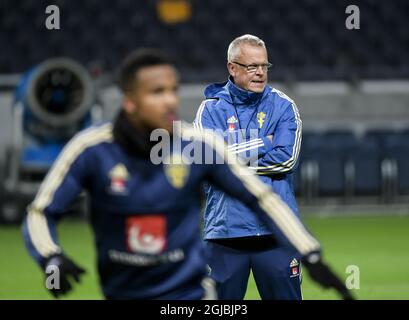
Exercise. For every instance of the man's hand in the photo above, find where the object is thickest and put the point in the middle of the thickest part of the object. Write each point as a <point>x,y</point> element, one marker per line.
<point>66,271</point>
<point>322,274</point>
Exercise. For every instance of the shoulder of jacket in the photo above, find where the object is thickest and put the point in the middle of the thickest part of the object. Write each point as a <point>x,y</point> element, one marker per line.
<point>90,137</point>
<point>209,103</point>
<point>282,96</point>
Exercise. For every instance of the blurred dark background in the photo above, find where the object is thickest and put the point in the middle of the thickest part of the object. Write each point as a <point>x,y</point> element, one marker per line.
<point>307,40</point>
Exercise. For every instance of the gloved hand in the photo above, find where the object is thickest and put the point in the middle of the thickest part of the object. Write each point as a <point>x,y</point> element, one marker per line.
<point>321,273</point>
<point>67,270</point>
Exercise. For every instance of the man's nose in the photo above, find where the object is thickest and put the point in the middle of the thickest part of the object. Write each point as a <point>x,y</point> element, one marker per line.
<point>260,70</point>
<point>172,100</point>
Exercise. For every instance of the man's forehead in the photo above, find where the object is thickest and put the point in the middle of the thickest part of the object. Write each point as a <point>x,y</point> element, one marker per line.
<point>155,75</point>
<point>253,52</point>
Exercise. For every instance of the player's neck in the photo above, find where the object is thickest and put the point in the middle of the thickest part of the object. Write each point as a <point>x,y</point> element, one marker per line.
<point>132,135</point>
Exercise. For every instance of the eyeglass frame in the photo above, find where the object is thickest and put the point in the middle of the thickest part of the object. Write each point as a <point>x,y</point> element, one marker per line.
<point>265,66</point>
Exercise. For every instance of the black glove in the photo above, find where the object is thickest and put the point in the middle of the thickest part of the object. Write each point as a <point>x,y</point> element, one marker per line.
<point>67,269</point>
<point>322,274</point>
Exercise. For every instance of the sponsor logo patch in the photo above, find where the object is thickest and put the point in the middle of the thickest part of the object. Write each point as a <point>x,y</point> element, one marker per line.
<point>146,234</point>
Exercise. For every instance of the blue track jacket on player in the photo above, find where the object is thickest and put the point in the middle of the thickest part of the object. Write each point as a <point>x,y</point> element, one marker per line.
<point>145,215</point>
<point>246,119</point>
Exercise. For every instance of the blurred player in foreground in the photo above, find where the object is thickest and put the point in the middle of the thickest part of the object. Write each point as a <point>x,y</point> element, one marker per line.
<point>144,213</point>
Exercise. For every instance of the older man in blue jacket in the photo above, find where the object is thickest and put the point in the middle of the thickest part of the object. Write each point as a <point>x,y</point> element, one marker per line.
<point>263,127</point>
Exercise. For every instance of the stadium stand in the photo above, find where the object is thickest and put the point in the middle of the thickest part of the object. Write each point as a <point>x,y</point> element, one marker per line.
<point>328,153</point>
<point>366,160</point>
<point>312,44</point>
<point>397,152</point>
<point>338,163</point>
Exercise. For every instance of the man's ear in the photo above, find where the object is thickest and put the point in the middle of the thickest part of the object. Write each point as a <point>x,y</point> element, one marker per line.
<point>231,68</point>
<point>128,105</point>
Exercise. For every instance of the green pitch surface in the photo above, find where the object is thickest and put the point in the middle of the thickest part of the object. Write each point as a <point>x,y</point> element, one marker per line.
<point>378,246</point>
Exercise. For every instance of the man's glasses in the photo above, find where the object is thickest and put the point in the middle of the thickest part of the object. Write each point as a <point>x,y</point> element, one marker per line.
<point>251,68</point>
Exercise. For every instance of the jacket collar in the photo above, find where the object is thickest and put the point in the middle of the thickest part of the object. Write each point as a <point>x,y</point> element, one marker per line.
<point>233,94</point>
<point>240,96</point>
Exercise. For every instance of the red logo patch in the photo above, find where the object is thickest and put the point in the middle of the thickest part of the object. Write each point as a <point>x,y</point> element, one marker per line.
<point>294,271</point>
<point>118,185</point>
<point>146,234</point>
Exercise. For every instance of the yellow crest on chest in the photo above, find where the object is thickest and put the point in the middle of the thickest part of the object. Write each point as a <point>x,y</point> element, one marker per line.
<point>119,172</point>
<point>261,116</point>
<point>176,170</point>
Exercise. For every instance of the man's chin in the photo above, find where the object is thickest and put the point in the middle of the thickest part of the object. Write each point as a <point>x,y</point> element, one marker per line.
<point>168,128</point>
<point>161,127</point>
<point>257,87</point>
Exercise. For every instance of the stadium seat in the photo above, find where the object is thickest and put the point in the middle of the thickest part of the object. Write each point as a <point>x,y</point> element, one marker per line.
<point>366,158</point>
<point>329,152</point>
<point>397,150</point>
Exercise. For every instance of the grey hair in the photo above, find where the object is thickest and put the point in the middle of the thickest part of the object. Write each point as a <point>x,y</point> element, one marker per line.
<point>234,46</point>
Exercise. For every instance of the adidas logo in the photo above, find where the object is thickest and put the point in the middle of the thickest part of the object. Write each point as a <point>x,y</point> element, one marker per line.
<point>294,263</point>
<point>209,270</point>
<point>232,119</point>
